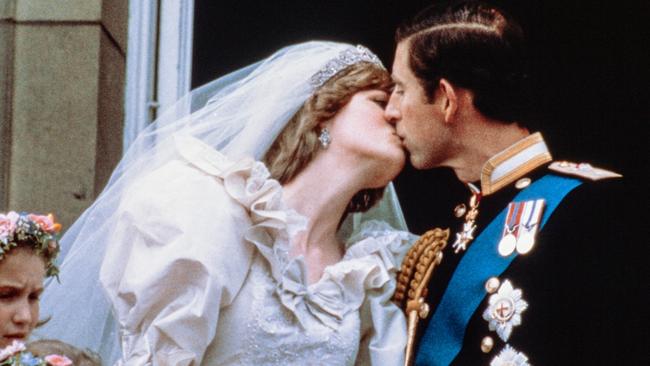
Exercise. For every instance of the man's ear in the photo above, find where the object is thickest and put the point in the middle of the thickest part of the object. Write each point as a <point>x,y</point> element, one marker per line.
<point>450,100</point>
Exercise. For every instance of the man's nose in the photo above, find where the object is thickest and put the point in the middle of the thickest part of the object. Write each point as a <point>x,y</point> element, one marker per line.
<point>392,112</point>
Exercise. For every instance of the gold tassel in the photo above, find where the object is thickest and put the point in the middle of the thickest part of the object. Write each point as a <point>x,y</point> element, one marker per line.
<point>413,279</point>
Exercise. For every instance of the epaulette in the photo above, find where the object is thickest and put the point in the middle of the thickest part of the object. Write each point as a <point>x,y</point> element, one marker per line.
<point>584,170</point>
<point>413,280</point>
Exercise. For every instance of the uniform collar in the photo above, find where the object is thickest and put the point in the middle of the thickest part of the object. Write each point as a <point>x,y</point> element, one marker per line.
<point>514,162</point>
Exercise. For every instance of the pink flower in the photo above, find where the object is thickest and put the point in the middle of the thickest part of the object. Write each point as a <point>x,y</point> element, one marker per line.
<point>57,360</point>
<point>8,224</point>
<point>12,349</point>
<point>46,223</point>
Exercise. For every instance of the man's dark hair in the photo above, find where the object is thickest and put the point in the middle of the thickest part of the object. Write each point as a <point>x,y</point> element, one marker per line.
<point>474,46</point>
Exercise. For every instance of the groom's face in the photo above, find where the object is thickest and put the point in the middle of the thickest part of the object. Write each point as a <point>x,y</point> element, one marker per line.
<point>419,122</point>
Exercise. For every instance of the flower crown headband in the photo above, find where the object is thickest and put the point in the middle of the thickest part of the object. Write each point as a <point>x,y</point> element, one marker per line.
<point>39,230</point>
<point>15,354</point>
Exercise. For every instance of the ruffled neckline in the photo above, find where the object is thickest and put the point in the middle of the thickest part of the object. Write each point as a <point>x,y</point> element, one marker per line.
<point>372,257</point>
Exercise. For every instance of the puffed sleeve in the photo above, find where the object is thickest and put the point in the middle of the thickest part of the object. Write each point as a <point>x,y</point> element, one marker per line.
<point>383,324</point>
<point>383,339</point>
<point>175,259</point>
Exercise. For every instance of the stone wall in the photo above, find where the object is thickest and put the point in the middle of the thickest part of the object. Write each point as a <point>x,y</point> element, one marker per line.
<point>62,77</point>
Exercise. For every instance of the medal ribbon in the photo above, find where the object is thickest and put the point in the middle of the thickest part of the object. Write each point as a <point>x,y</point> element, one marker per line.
<point>509,219</point>
<point>515,211</point>
<point>443,338</point>
<point>533,215</point>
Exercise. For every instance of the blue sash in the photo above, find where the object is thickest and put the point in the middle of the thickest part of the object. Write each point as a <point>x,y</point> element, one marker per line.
<point>443,338</point>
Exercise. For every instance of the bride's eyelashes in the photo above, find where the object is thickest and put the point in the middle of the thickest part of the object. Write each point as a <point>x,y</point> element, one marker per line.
<point>382,102</point>
<point>380,98</point>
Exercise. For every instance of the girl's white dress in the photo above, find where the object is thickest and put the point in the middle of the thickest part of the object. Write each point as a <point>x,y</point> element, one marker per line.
<point>198,272</point>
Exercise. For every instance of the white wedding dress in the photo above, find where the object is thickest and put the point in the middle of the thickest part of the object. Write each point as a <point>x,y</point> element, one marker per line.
<point>183,258</point>
<point>207,278</point>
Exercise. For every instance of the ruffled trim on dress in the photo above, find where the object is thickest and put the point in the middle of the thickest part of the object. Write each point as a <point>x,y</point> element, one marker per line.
<point>372,258</point>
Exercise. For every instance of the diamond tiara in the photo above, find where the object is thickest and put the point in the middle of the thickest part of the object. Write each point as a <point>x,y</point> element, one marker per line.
<point>347,57</point>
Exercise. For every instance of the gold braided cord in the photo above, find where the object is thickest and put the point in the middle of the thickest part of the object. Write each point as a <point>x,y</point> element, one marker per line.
<point>413,279</point>
<point>415,264</point>
<point>408,267</point>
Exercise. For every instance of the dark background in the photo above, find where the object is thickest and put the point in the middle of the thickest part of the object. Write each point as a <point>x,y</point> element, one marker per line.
<point>589,72</point>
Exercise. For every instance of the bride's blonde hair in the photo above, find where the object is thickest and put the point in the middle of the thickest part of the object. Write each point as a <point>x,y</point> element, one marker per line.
<point>298,142</point>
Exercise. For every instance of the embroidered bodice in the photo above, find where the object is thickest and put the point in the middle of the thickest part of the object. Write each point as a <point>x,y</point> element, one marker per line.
<point>207,278</point>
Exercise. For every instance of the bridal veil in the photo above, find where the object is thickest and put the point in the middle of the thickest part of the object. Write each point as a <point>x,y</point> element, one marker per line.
<point>239,114</point>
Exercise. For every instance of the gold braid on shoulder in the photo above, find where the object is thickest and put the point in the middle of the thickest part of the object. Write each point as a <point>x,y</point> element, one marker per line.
<point>414,276</point>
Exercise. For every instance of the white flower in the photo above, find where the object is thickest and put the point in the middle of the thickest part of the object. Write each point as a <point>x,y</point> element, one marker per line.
<point>7,226</point>
<point>504,310</point>
<point>510,357</point>
<point>12,349</point>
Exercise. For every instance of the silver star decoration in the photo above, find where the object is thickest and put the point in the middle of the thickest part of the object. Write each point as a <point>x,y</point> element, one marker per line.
<point>510,357</point>
<point>464,237</point>
<point>504,310</point>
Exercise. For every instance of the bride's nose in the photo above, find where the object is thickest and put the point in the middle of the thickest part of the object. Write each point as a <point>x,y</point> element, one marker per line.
<point>391,112</point>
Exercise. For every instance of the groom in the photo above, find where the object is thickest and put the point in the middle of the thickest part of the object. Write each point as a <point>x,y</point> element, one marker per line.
<point>535,273</point>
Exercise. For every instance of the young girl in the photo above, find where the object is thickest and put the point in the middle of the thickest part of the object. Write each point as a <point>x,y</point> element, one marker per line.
<point>28,248</point>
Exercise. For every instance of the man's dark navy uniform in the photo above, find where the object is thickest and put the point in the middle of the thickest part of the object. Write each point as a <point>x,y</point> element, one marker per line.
<point>574,281</point>
<point>542,266</point>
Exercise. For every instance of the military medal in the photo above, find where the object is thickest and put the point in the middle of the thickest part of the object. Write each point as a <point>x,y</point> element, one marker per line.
<point>526,242</point>
<point>522,223</point>
<point>507,245</point>
<point>508,241</point>
<point>529,225</point>
<point>467,234</point>
<point>510,357</point>
<point>504,310</point>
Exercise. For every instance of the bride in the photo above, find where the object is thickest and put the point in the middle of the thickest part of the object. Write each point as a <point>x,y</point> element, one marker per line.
<point>209,256</point>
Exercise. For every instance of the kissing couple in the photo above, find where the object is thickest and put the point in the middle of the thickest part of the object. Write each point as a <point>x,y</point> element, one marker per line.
<point>254,222</point>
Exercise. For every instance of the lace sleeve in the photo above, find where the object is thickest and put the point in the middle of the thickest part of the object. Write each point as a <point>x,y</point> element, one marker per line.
<point>176,257</point>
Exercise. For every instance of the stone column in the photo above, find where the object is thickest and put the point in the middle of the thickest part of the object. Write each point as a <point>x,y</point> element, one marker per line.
<point>62,76</point>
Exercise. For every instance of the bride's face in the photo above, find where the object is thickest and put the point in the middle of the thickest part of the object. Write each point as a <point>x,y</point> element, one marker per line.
<point>361,129</point>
